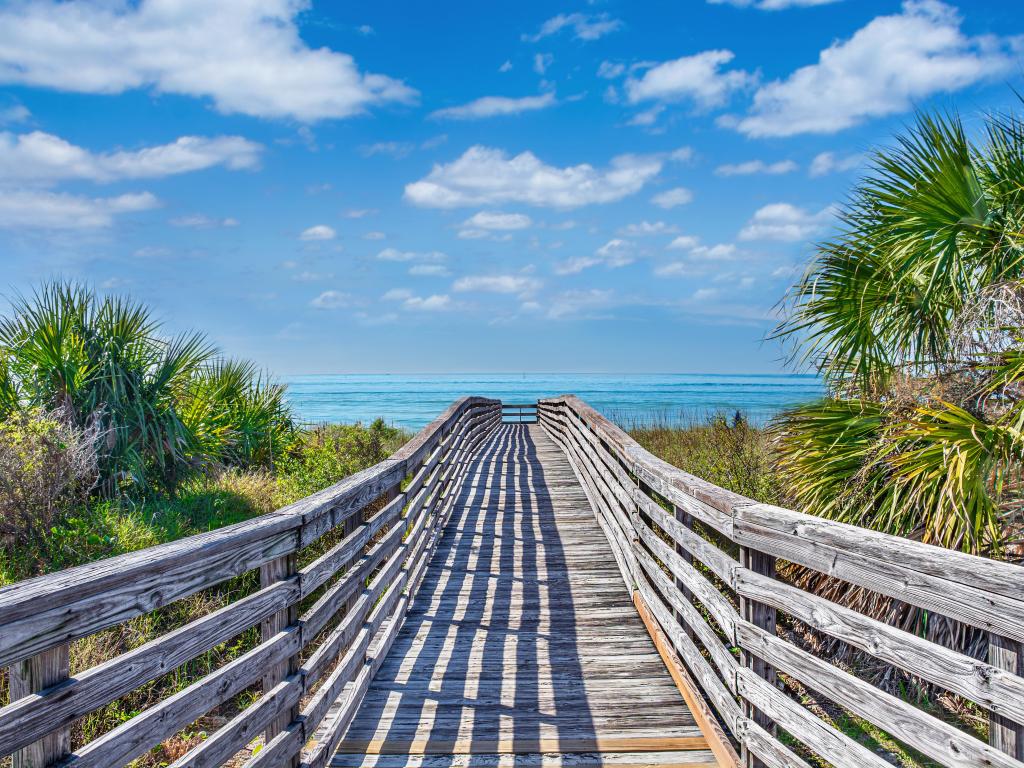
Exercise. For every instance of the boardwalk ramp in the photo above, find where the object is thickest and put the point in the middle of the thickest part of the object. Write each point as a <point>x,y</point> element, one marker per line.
<point>518,585</point>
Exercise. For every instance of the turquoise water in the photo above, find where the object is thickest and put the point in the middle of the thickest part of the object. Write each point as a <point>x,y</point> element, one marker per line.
<point>411,401</point>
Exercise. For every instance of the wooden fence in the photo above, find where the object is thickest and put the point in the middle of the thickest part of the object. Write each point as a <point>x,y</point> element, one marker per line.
<point>324,627</point>
<point>705,562</point>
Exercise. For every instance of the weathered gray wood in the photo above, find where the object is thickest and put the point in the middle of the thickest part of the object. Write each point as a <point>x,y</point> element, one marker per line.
<point>30,718</point>
<point>26,678</point>
<point>998,690</point>
<point>762,616</point>
<point>925,733</point>
<point>1007,735</point>
<point>275,571</point>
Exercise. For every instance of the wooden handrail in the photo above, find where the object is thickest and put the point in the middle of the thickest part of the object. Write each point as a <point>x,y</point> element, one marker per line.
<point>708,601</point>
<point>366,578</point>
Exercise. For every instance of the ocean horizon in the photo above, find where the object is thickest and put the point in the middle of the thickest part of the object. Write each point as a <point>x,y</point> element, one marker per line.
<point>411,401</point>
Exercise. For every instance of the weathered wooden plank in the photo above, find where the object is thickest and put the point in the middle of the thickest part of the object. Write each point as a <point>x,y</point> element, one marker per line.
<point>1005,734</point>
<point>925,733</point>
<point>28,719</point>
<point>25,679</point>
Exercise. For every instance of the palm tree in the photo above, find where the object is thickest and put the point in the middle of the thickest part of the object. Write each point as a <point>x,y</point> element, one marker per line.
<point>166,405</point>
<point>914,316</point>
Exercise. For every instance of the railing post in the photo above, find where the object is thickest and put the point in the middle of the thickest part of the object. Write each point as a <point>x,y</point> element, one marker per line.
<point>762,616</point>
<point>1006,735</point>
<point>32,675</point>
<point>278,570</point>
<point>686,519</point>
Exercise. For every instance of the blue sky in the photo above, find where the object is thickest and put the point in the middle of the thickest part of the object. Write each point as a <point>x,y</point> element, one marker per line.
<point>431,187</point>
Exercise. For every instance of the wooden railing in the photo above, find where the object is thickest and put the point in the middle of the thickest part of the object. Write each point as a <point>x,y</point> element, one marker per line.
<point>325,625</point>
<point>704,561</point>
<point>519,413</point>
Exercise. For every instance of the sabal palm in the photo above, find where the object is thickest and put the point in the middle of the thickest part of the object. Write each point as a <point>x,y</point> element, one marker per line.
<point>922,434</point>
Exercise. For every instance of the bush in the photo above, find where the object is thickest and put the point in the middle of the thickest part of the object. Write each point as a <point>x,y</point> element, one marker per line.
<point>48,467</point>
<point>322,456</point>
<point>731,454</point>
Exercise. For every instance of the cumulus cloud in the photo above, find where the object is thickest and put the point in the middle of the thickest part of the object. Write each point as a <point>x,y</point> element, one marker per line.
<point>245,55</point>
<point>647,228</point>
<point>584,26</point>
<point>698,78</point>
<point>202,221</point>
<point>752,167</point>
<point>613,254</point>
<point>17,113</point>
<point>491,106</point>
<point>610,70</point>
<point>671,198</point>
<point>772,5</point>
<point>429,270</point>
<point>541,62</point>
<point>331,300</point>
<point>393,254</point>
<point>497,220</point>
<point>39,157</point>
<point>41,209</point>
<point>408,300</point>
<point>395,149</point>
<point>520,284</point>
<point>318,232</point>
<point>683,243</point>
<point>487,176</point>
<point>829,162</point>
<point>785,222</point>
<point>883,69</point>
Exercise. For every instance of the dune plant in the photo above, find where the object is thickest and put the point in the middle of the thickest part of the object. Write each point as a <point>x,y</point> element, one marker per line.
<point>166,404</point>
<point>914,315</point>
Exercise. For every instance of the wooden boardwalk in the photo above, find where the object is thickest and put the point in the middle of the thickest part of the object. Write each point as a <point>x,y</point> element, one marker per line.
<point>522,645</point>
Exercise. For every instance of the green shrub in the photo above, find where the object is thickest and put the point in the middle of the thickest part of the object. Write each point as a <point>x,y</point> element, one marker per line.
<point>48,467</point>
<point>322,456</point>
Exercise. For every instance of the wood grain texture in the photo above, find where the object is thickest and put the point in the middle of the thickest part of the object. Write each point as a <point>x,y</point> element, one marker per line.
<point>522,636</point>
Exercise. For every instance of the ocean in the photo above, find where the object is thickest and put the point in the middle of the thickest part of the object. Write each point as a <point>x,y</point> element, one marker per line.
<point>412,401</point>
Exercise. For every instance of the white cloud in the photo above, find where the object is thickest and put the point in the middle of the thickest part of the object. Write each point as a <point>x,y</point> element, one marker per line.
<point>610,70</point>
<point>39,157</point>
<point>773,5</point>
<point>491,106</point>
<point>202,221</point>
<point>756,166</point>
<point>318,232</point>
<point>698,78</point>
<point>331,300</point>
<point>486,176</point>
<point>671,198</point>
<point>393,254</point>
<point>704,294</point>
<point>245,55</point>
<point>613,254</point>
<point>395,149</point>
<point>647,228</point>
<point>410,301</point>
<point>17,113</point>
<point>785,222</point>
<point>359,213</point>
<point>506,67</point>
<point>541,62</point>
<point>584,26</point>
<point>365,30</point>
<point>429,270</point>
<point>374,236</point>
<point>498,220</point>
<point>887,66</point>
<point>683,243</point>
<point>718,252</point>
<point>829,162</point>
<point>497,284</point>
<point>40,209</point>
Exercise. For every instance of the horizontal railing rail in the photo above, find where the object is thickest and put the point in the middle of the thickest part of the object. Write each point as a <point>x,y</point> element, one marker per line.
<point>324,625</point>
<point>704,562</point>
<point>519,413</point>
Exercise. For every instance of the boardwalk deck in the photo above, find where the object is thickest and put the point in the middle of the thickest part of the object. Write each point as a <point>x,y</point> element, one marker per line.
<point>522,645</point>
